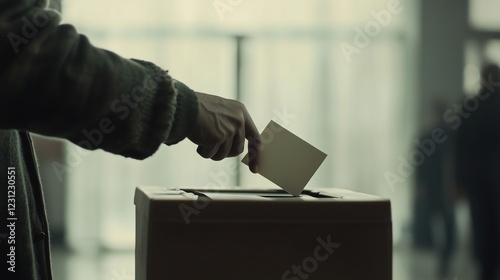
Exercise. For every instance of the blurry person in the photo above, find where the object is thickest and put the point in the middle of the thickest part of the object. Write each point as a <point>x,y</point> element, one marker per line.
<point>478,170</point>
<point>433,199</point>
<point>55,83</point>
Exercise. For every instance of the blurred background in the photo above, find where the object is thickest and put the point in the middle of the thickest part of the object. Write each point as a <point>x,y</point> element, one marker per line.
<point>365,81</point>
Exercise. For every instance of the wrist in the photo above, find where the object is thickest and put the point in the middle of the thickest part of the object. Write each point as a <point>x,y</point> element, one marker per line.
<point>185,115</point>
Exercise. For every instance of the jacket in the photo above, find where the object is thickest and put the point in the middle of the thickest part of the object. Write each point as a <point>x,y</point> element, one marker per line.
<point>55,83</point>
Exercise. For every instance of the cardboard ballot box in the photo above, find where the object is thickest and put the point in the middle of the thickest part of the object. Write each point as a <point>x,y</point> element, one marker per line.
<point>240,234</point>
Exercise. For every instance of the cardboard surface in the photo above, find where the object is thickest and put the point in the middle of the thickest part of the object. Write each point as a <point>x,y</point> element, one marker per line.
<point>246,234</point>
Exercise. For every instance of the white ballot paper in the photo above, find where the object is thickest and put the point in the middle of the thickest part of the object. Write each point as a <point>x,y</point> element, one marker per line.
<point>287,160</point>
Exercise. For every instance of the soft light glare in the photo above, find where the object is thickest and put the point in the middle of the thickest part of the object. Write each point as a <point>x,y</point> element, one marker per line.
<point>483,14</point>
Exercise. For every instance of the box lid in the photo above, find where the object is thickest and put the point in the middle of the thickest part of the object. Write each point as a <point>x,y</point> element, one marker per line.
<point>243,205</point>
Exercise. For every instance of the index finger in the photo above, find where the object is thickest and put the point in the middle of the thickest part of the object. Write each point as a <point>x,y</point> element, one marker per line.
<point>254,142</point>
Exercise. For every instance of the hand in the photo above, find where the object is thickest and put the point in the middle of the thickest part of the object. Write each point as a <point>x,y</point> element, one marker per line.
<point>221,128</point>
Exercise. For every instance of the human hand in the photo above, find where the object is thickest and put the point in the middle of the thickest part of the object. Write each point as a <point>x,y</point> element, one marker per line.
<point>221,128</point>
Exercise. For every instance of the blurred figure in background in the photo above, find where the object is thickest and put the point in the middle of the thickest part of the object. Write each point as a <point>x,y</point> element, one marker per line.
<point>434,223</point>
<point>478,171</point>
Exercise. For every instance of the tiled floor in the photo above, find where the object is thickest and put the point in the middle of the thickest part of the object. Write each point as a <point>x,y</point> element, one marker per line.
<point>69,265</point>
<point>408,264</point>
<point>411,264</point>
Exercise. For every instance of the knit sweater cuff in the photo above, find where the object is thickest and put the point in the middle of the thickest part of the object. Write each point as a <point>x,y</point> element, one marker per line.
<point>186,113</point>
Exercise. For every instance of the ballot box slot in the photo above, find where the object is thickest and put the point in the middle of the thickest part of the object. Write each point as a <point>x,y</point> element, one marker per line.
<point>320,195</point>
<point>284,195</point>
<point>198,193</point>
<point>265,194</point>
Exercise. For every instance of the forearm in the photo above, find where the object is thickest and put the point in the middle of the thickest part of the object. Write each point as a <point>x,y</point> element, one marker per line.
<point>58,84</point>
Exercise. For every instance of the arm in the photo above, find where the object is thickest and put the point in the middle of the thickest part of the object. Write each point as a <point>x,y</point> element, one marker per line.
<point>54,82</point>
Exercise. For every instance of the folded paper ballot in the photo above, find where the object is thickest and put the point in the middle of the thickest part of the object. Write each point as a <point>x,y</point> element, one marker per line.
<point>287,160</point>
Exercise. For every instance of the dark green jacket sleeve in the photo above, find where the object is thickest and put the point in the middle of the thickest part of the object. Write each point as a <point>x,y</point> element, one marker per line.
<point>54,82</point>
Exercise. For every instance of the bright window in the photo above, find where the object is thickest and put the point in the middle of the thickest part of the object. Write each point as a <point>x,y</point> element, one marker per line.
<point>483,14</point>
<point>483,44</point>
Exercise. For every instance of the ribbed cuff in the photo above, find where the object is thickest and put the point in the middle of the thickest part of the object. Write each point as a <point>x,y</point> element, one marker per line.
<point>186,113</point>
